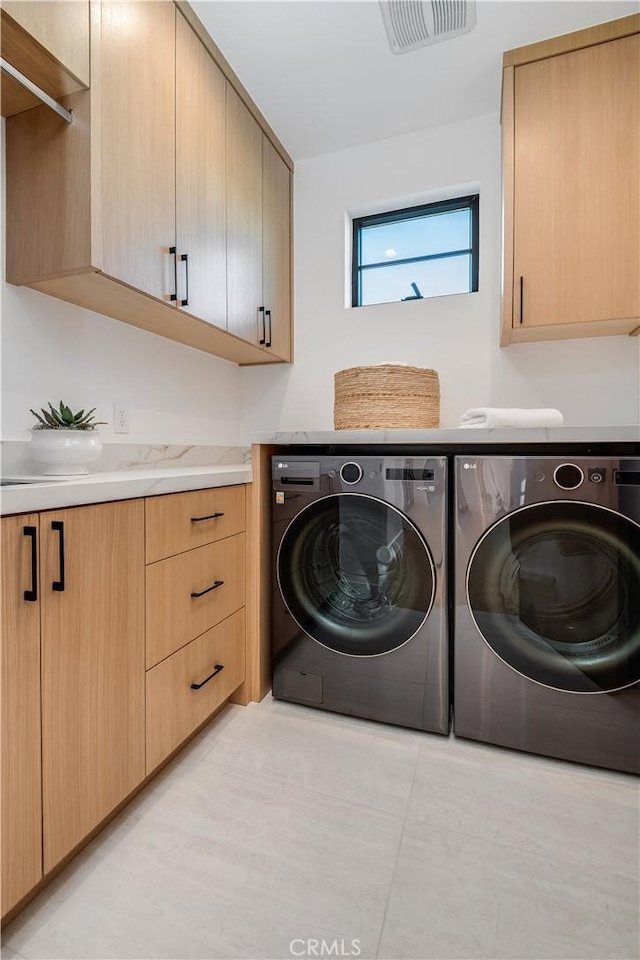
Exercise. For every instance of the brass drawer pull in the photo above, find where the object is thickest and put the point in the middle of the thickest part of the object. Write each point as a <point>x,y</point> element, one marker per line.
<point>212,516</point>
<point>218,583</point>
<point>218,667</point>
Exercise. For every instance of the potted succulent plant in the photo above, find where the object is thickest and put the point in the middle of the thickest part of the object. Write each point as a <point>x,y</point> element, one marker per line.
<point>63,441</point>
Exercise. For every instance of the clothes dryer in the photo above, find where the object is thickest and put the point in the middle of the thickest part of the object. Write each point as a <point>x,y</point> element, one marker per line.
<point>359,622</point>
<point>547,606</point>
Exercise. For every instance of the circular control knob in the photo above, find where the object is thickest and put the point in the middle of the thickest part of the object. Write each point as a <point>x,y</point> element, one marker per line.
<point>596,476</point>
<point>350,472</point>
<point>568,476</point>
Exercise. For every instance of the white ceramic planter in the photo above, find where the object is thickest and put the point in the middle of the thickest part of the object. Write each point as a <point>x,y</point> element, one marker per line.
<point>65,453</point>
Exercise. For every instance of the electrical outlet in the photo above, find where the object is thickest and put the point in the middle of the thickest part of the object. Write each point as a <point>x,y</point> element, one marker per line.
<point>120,419</point>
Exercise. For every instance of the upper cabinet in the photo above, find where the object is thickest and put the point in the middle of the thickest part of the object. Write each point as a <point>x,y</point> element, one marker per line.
<point>276,247</point>
<point>200,180</point>
<point>571,182</point>
<point>48,43</point>
<point>136,116</point>
<point>134,210</point>
<point>259,234</point>
<point>244,221</point>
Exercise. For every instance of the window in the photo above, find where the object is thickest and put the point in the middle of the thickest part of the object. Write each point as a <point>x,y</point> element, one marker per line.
<point>426,251</point>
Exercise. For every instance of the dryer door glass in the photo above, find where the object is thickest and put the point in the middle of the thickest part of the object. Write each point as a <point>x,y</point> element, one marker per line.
<point>555,591</point>
<point>356,574</point>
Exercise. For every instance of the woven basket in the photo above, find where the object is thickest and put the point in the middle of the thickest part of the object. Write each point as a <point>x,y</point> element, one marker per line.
<point>386,397</point>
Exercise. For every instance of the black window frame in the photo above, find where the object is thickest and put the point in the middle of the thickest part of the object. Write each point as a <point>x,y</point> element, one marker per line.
<point>471,203</point>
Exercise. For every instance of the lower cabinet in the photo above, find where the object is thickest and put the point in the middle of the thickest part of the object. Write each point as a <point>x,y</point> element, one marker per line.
<point>72,680</point>
<point>189,686</point>
<point>83,722</point>
<point>195,611</point>
<point>92,636</point>
<point>188,594</point>
<point>21,778</point>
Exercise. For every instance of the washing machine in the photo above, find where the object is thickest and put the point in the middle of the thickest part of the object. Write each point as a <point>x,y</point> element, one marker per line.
<point>547,606</point>
<point>359,612</point>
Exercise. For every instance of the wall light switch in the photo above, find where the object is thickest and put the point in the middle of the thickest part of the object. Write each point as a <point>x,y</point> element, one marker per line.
<point>120,419</point>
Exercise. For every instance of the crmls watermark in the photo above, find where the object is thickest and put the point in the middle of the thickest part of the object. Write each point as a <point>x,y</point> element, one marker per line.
<point>324,948</point>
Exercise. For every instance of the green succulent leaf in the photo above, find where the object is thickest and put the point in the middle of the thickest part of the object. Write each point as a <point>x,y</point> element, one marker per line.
<point>63,418</point>
<point>51,418</point>
<point>55,414</point>
<point>38,418</point>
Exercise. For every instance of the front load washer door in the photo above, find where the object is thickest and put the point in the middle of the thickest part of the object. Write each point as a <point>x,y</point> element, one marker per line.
<point>356,574</point>
<point>554,589</point>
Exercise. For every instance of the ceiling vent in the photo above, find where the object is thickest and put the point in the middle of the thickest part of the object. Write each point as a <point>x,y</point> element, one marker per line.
<point>411,24</point>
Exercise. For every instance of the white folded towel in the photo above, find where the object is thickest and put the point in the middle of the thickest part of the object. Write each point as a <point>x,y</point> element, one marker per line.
<point>495,417</point>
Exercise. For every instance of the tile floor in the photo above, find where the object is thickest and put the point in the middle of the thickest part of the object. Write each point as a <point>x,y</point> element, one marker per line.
<point>280,824</point>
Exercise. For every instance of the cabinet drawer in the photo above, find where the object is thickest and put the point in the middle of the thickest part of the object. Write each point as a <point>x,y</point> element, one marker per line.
<point>174,708</point>
<point>174,616</point>
<point>182,521</point>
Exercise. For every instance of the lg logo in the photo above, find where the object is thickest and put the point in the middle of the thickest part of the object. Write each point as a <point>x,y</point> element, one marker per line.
<point>469,466</point>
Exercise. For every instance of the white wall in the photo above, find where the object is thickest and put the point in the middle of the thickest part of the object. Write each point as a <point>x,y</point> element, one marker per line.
<point>52,350</point>
<point>592,381</point>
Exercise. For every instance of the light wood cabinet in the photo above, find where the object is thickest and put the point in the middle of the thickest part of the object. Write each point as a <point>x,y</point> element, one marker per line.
<point>245,308</point>
<point>186,688</point>
<point>131,210</point>
<point>571,154</point>
<point>48,42</point>
<point>195,620</point>
<point>92,667</point>
<point>191,592</point>
<point>200,179</point>
<point>136,115</point>
<point>83,720</point>
<point>21,743</point>
<point>258,234</point>
<point>95,200</point>
<point>179,522</point>
<point>276,247</point>
<point>73,680</point>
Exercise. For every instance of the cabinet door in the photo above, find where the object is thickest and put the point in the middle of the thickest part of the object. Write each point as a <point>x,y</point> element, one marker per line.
<point>62,29</point>
<point>244,222</point>
<point>276,244</point>
<point>21,779</point>
<point>137,116</point>
<point>200,202</point>
<point>576,188</point>
<point>92,635</point>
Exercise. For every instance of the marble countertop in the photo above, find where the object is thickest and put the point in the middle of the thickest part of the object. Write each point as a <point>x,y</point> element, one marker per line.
<point>629,433</point>
<point>46,493</point>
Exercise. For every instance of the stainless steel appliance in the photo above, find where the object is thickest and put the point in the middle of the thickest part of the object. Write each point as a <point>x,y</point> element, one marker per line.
<point>359,620</point>
<point>547,606</point>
